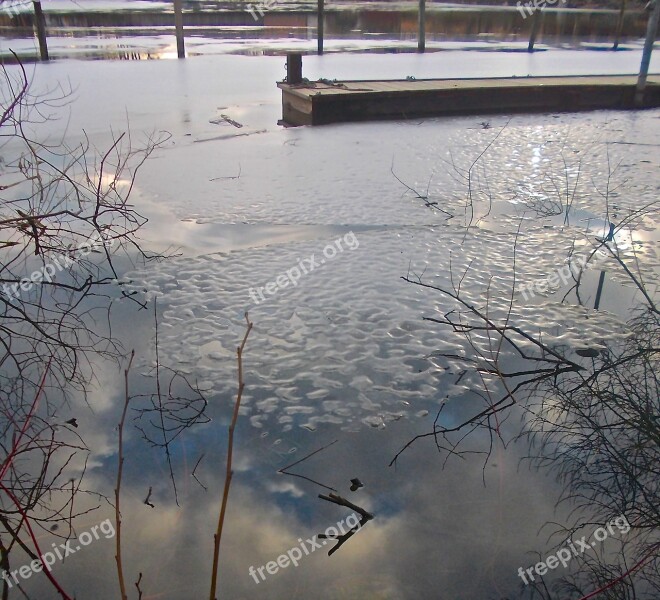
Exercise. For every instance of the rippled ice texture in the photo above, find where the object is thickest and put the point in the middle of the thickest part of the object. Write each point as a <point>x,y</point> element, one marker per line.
<point>347,344</point>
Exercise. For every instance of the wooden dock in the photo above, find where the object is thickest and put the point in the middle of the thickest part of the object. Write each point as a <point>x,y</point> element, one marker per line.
<point>323,102</point>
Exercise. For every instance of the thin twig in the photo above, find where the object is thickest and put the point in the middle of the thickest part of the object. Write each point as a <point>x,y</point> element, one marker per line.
<point>166,442</point>
<point>230,449</point>
<point>195,469</point>
<point>137,585</point>
<point>342,539</point>
<point>146,500</point>
<point>120,466</point>
<point>284,471</point>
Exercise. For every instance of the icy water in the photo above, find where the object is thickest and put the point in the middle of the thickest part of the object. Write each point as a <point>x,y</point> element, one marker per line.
<point>343,355</point>
<point>143,30</point>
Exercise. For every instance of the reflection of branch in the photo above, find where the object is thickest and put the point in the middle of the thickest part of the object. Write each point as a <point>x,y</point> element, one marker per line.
<point>21,509</point>
<point>146,500</point>
<point>469,178</point>
<point>14,534</point>
<point>4,564</point>
<point>26,520</point>
<point>17,440</point>
<point>548,365</point>
<point>230,449</point>
<point>19,95</point>
<point>337,499</point>
<point>639,564</point>
<point>425,197</point>
<point>67,205</point>
<point>195,469</point>
<point>137,585</point>
<point>120,467</point>
<point>284,471</point>
<point>342,539</point>
<point>166,443</point>
<point>639,285</point>
<point>169,412</point>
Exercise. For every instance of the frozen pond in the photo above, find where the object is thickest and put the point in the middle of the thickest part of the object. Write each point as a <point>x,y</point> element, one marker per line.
<point>311,230</point>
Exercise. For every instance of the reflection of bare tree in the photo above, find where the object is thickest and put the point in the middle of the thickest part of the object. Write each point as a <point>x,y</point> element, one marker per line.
<point>172,408</point>
<point>161,417</point>
<point>590,414</point>
<point>473,178</point>
<point>334,498</point>
<point>599,432</point>
<point>65,215</point>
<point>64,219</point>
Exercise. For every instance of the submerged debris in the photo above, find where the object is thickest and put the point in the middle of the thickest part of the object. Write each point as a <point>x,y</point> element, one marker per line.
<point>356,484</point>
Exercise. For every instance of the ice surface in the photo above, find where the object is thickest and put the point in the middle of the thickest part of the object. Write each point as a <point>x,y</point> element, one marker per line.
<point>347,344</point>
<point>346,348</point>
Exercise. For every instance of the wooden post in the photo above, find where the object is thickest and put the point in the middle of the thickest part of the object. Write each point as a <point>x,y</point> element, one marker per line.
<point>320,16</point>
<point>536,22</point>
<point>178,26</point>
<point>619,25</point>
<point>41,30</point>
<point>651,31</point>
<point>421,33</point>
<point>294,68</point>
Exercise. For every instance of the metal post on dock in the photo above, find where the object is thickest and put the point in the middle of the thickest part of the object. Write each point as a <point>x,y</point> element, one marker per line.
<point>294,68</point>
<point>320,17</point>
<point>599,292</point>
<point>41,30</point>
<point>651,32</point>
<point>178,26</point>
<point>421,33</point>
<point>536,22</point>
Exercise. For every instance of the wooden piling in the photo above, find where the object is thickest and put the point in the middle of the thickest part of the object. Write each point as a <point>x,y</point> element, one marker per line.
<point>651,32</point>
<point>421,32</point>
<point>41,30</point>
<point>536,23</point>
<point>178,26</point>
<point>320,17</point>
<point>294,68</point>
<point>619,25</point>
